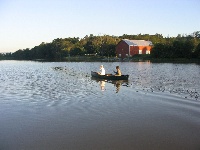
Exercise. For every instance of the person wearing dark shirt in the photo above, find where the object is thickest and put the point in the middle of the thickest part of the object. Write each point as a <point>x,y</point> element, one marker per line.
<point>118,72</point>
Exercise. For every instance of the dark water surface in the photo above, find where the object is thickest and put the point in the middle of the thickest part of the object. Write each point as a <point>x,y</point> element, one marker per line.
<point>58,106</point>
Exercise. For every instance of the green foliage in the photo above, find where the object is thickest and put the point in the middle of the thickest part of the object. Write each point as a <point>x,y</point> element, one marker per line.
<point>179,47</point>
<point>197,51</point>
<point>164,47</point>
<point>1,56</point>
<point>76,51</point>
<point>159,51</point>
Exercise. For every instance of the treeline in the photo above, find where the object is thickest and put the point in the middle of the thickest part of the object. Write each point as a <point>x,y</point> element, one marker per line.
<point>182,46</point>
<point>61,48</point>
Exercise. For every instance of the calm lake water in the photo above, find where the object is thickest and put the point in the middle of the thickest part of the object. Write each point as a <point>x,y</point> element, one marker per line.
<point>58,106</point>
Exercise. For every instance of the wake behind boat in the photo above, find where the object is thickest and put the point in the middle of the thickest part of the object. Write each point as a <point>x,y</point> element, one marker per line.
<point>109,76</point>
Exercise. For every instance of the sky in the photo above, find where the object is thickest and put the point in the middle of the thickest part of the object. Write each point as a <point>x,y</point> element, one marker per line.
<point>28,23</point>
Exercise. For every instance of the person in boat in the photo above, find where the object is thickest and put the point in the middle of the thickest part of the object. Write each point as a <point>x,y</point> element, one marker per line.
<point>102,70</point>
<point>118,72</point>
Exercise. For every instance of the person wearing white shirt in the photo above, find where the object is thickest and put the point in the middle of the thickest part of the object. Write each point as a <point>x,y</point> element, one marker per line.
<point>102,70</point>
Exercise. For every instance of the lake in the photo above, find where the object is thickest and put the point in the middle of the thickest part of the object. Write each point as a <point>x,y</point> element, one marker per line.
<point>57,105</point>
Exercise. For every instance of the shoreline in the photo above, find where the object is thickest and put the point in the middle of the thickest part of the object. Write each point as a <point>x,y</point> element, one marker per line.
<point>115,59</point>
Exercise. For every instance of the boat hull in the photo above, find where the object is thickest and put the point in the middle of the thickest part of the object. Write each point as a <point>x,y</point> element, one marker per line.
<point>109,76</point>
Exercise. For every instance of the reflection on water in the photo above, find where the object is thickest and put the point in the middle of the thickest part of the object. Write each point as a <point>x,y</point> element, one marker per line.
<point>117,83</point>
<point>57,105</point>
<point>102,84</point>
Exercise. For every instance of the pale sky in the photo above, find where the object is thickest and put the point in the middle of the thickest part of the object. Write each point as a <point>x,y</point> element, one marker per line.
<point>28,23</point>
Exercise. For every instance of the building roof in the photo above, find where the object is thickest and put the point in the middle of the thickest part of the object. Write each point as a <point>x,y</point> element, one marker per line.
<point>138,42</point>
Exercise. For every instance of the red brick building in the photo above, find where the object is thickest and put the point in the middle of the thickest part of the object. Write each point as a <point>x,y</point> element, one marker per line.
<point>128,48</point>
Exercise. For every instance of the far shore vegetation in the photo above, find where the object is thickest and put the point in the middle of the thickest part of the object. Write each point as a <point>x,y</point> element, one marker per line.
<point>183,48</point>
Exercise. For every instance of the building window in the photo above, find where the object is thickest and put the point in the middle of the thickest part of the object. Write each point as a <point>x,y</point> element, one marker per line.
<point>147,51</point>
<point>140,51</point>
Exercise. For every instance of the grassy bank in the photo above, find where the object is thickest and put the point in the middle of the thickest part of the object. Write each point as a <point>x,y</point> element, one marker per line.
<point>140,58</point>
<point>135,58</point>
<point>91,59</point>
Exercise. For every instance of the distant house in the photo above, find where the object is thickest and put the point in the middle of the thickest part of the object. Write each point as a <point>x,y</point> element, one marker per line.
<point>128,48</point>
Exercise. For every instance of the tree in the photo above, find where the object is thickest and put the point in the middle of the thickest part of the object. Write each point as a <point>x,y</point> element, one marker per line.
<point>158,51</point>
<point>197,51</point>
<point>182,46</point>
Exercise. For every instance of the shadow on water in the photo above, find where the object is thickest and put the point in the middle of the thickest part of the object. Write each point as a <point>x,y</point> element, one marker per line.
<point>117,83</point>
